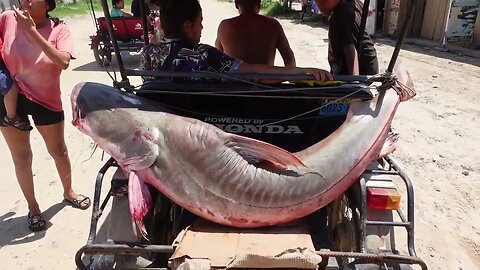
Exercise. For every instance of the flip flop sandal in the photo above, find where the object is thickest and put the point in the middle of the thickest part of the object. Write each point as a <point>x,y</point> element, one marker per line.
<point>17,123</point>
<point>36,223</point>
<point>78,202</point>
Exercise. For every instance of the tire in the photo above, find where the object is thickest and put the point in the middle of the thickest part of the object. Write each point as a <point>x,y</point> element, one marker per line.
<point>344,227</point>
<point>102,54</point>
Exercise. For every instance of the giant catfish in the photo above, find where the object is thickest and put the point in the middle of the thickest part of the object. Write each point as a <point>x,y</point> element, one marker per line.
<point>226,178</point>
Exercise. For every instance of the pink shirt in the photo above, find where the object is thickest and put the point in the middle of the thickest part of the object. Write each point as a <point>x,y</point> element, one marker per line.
<point>36,75</point>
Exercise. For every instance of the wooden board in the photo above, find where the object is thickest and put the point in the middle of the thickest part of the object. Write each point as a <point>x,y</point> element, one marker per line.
<point>441,19</point>
<point>416,26</point>
<point>206,246</point>
<point>435,14</point>
<point>476,32</point>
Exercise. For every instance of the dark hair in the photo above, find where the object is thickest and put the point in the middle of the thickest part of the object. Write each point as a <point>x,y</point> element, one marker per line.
<point>174,13</point>
<point>56,21</point>
<point>248,3</point>
<point>115,2</point>
<point>51,6</point>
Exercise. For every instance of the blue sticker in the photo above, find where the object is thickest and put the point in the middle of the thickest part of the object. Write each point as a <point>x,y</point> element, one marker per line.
<point>330,109</point>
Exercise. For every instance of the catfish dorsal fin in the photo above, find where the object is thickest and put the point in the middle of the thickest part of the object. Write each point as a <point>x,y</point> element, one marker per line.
<point>255,151</point>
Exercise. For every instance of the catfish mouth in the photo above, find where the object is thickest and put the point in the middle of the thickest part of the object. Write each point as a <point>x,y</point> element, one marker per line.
<point>77,114</point>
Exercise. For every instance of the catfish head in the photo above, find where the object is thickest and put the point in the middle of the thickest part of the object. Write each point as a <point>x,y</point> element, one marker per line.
<point>114,120</point>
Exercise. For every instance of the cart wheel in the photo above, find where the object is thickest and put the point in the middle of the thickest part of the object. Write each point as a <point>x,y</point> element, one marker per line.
<point>103,54</point>
<point>344,226</point>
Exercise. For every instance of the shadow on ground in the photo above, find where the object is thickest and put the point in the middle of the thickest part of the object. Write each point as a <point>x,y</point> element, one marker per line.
<point>431,50</point>
<point>15,230</point>
<point>412,45</point>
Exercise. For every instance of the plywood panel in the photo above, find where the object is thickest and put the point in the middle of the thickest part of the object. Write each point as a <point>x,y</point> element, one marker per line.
<point>429,19</point>
<point>441,19</point>
<point>418,18</point>
<point>476,32</point>
<point>416,27</point>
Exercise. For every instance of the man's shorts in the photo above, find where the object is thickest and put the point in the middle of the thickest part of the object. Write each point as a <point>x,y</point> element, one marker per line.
<point>304,8</point>
<point>6,80</point>
<point>41,116</point>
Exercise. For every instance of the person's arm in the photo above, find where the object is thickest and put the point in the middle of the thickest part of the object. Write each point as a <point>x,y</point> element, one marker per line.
<point>126,14</point>
<point>26,22</point>
<point>218,41</point>
<point>345,25</point>
<point>284,48</point>
<point>319,74</point>
<point>220,62</point>
<point>351,58</point>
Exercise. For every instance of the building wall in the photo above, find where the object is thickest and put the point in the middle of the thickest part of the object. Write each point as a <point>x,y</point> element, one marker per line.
<point>391,16</point>
<point>434,19</point>
<point>476,33</point>
<point>417,17</point>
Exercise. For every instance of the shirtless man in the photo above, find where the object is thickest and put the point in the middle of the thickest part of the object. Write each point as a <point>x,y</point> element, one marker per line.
<point>253,38</point>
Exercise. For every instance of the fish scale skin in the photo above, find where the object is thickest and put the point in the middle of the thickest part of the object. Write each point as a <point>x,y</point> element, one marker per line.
<point>248,211</point>
<point>205,159</point>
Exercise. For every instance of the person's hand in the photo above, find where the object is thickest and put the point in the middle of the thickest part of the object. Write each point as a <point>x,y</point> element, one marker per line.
<point>319,74</point>
<point>24,19</point>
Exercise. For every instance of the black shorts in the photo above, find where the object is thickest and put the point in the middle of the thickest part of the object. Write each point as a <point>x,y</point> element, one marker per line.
<point>304,8</point>
<point>41,116</point>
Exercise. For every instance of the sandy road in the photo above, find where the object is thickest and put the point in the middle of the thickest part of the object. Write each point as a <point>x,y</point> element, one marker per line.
<point>438,148</point>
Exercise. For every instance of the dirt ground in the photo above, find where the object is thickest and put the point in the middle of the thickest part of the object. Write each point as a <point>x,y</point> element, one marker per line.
<point>438,148</point>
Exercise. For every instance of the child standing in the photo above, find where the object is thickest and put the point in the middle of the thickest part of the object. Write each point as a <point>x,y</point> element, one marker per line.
<point>9,90</point>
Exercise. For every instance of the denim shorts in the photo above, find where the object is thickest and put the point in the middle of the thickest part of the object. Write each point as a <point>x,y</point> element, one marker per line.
<point>41,116</point>
<point>6,80</point>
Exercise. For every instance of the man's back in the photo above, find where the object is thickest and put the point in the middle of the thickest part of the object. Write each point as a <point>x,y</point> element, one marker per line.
<point>254,39</point>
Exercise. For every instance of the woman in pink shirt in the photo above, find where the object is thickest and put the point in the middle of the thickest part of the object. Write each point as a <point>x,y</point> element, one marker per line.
<point>36,48</point>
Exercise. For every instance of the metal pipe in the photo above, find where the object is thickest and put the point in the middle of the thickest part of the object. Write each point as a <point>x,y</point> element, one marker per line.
<point>143,15</point>
<point>410,10</point>
<point>374,257</point>
<point>94,16</point>
<point>388,223</point>
<point>252,76</point>
<point>363,214</point>
<point>96,200</point>
<point>410,207</point>
<point>113,39</point>
<point>125,249</point>
<point>121,249</point>
<point>443,42</point>
<point>401,215</point>
<point>363,24</point>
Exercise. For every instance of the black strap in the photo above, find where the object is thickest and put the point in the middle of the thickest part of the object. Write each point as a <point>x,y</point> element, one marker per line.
<point>167,64</point>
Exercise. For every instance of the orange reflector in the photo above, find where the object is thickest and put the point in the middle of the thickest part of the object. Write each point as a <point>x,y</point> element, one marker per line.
<point>383,198</point>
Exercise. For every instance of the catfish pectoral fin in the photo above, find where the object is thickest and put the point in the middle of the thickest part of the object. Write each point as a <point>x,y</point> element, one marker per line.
<point>255,151</point>
<point>140,200</point>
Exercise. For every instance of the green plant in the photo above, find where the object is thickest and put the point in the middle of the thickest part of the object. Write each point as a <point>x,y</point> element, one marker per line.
<point>81,7</point>
<point>275,8</point>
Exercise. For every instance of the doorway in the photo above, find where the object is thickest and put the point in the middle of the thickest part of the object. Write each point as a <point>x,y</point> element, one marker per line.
<point>380,16</point>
